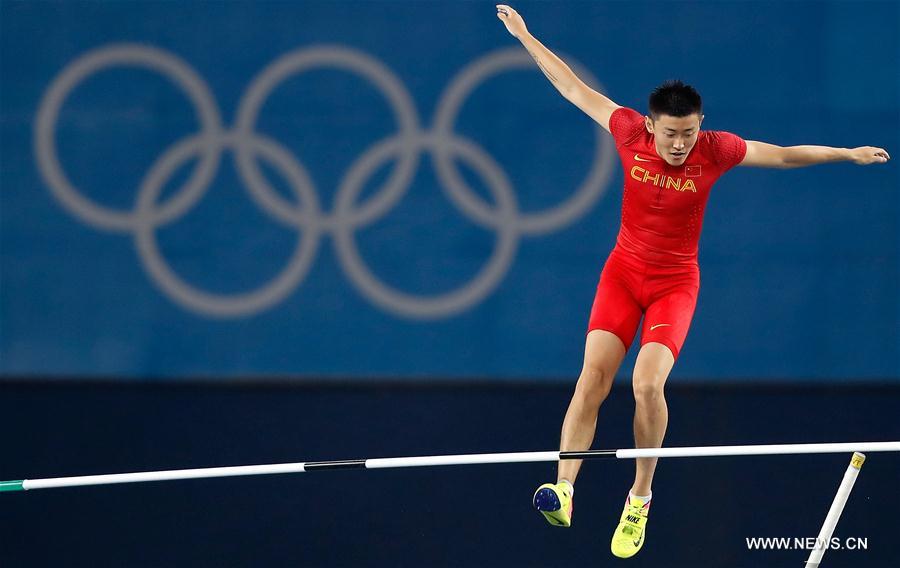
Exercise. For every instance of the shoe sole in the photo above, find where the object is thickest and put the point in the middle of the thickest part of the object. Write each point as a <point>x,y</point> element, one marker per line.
<point>546,501</point>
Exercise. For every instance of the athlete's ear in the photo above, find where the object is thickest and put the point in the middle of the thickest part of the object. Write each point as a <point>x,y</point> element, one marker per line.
<point>648,124</point>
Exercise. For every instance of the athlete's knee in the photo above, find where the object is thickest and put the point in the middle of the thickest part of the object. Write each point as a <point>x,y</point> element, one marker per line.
<point>594,385</point>
<point>648,387</point>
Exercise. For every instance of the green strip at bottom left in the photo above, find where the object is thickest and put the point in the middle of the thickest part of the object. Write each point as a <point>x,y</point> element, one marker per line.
<point>11,485</point>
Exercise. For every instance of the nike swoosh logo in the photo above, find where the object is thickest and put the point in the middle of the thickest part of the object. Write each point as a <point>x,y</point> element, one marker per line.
<point>639,159</point>
<point>652,327</point>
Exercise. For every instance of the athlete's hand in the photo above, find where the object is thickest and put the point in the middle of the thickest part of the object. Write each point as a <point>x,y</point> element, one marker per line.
<point>512,20</point>
<point>865,155</point>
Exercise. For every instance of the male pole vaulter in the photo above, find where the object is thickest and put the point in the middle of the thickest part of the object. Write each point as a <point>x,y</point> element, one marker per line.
<point>670,166</point>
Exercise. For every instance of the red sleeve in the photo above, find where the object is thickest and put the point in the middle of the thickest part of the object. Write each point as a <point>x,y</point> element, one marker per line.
<point>625,124</point>
<point>729,149</point>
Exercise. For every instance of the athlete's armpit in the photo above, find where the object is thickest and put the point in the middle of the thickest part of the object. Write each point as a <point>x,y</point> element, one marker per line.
<point>594,104</point>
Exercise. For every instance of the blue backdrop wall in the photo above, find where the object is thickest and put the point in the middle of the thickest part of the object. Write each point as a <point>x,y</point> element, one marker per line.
<point>393,189</point>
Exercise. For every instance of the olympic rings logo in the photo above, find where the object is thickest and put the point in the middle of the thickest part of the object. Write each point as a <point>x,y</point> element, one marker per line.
<point>308,217</point>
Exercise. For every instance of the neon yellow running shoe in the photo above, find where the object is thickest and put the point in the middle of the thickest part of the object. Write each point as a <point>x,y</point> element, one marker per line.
<point>629,536</point>
<point>554,501</point>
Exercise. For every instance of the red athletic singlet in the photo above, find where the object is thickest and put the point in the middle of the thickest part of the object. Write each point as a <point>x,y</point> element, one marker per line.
<point>652,271</point>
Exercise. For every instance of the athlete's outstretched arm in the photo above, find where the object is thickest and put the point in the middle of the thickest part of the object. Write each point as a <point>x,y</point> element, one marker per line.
<point>762,155</point>
<point>594,104</point>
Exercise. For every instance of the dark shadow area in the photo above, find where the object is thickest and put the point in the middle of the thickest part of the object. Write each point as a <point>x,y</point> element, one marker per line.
<point>703,511</point>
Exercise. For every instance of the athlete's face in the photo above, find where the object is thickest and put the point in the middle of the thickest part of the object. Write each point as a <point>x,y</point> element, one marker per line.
<point>674,136</point>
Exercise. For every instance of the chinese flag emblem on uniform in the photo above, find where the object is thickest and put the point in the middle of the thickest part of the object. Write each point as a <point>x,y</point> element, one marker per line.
<point>692,171</point>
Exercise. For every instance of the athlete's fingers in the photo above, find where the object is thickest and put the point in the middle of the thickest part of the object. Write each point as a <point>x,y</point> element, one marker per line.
<point>514,23</point>
<point>872,155</point>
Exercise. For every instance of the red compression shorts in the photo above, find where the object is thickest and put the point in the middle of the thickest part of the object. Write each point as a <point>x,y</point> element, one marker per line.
<point>629,287</point>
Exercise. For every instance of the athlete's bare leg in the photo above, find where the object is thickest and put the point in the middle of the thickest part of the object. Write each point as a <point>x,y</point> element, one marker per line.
<point>603,353</point>
<point>651,416</point>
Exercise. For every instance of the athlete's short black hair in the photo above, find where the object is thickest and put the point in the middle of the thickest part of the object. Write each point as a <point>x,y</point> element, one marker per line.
<point>674,98</point>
